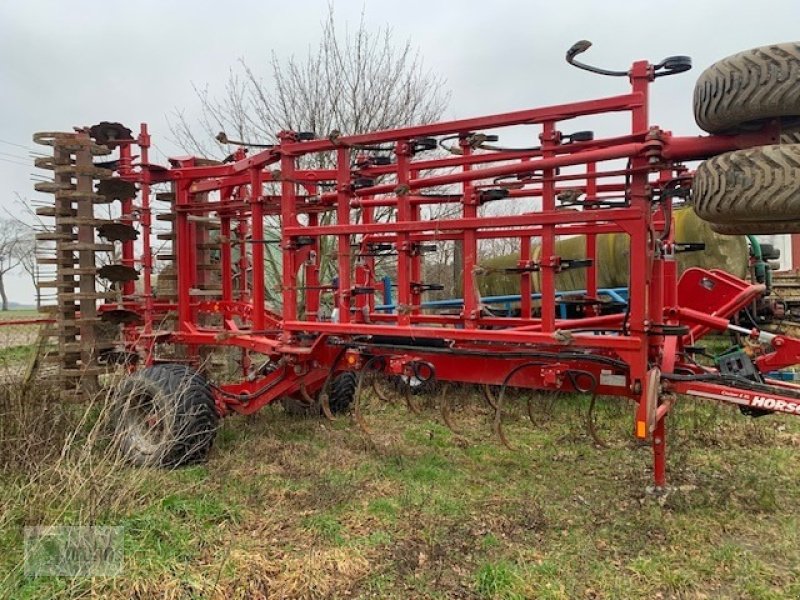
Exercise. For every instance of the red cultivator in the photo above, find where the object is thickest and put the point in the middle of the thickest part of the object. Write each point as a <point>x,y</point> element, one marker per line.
<point>369,211</point>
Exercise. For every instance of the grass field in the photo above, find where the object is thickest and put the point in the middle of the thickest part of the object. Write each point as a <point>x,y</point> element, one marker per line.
<point>299,508</point>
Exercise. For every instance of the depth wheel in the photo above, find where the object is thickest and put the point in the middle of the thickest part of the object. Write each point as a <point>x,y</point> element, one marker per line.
<point>164,416</point>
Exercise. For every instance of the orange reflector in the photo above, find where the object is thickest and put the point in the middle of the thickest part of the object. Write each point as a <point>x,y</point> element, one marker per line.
<point>641,429</point>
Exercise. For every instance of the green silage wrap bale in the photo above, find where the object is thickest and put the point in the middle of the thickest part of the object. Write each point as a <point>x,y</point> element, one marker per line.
<point>726,252</point>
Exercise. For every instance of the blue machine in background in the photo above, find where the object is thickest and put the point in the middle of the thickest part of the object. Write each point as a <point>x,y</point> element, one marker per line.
<point>616,295</point>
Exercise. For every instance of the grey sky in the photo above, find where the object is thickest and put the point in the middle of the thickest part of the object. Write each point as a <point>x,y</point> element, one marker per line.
<point>77,63</point>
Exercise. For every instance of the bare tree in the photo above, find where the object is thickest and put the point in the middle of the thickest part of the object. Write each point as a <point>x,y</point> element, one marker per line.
<point>26,253</point>
<point>352,82</point>
<point>14,245</point>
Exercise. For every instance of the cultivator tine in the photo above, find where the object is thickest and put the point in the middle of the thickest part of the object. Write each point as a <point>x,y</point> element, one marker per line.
<point>590,426</point>
<point>547,397</point>
<point>306,396</point>
<point>325,403</point>
<point>529,407</point>
<point>498,413</point>
<point>359,418</point>
<point>489,396</point>
<point>444,407</point>
<point>410,404</point>
<point>498,418</point>
<point>379,392</point>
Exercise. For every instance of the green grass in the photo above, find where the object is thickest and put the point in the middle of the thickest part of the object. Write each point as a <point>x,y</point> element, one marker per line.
<point>308,509</point>
<point>16,353</point>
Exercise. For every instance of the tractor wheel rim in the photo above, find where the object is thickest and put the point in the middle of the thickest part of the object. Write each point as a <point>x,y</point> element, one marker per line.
<point>145,423</point>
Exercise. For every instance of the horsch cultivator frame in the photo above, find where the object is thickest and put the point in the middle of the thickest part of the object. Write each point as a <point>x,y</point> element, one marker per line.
<point>581,185</point>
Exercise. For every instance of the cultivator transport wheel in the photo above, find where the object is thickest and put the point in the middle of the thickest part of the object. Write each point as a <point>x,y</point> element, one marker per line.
<point>164,415</point>
<point>341,396</point>
<point>754,188</point>
<point>748,88</point>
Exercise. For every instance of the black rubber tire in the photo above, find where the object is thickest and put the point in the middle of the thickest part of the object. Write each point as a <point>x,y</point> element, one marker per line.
<point>743,90</point>
<point>343,392</point>
<point>340,397</point>
<point>164,416</point>
<point>770,252</point>
<point>756,228</point>
<point>753,185</point>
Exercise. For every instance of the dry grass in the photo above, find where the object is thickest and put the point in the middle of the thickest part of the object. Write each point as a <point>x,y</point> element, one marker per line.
<point>298,508</point>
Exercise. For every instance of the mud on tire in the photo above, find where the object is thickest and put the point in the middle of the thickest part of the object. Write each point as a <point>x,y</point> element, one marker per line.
<point>164,416</point>
<point>745,89</point>
<point>750,191</point>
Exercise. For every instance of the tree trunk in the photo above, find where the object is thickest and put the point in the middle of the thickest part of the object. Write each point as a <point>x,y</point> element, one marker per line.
<point>3,293</point>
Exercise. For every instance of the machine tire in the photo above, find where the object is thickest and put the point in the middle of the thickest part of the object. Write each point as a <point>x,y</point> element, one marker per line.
<point>745,89</point>
<point>756,228</point>
<point>343,392</point>
<point>164,416</point>
<point>341,396</point>
<point>750,187</point>
<point>770,252</point>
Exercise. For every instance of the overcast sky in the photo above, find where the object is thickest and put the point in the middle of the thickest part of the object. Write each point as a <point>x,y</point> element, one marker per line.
<point>66,63</point>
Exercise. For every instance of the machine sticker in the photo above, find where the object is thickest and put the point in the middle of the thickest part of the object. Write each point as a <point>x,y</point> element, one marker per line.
<point>612,380</point>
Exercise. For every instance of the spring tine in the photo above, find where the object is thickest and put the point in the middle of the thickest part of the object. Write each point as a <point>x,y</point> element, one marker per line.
<point>498,413</point>
<point>444,406</point>
<point>489,396</point>
<point>530,410</point>
<point>409,402</point>
<point>326,406</point>
<point>590,424</point>
<point>379,393</point>
<point>359,418</point>
<point>498,418</point>
<point>306,396</point>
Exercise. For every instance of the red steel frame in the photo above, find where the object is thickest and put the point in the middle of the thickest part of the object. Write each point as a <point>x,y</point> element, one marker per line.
<point>634,355</point>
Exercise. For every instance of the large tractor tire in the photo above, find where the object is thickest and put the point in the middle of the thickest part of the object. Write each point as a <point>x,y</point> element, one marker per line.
<point>341,395</point>
<point>756,190</point>
<point>756,228</point>
<point>770,252</point>
<point>741,91</point>
<point>164,416</point>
